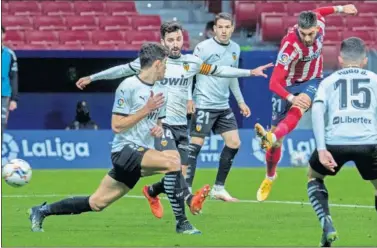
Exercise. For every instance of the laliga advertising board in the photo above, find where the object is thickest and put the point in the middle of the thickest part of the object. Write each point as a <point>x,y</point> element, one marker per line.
<point>91,149</point>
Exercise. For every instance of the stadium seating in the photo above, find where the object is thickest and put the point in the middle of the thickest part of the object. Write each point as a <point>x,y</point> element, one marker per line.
<point>82,22</point>
<point>146,22</point>
<point>18,23</point>
<point>75,37</point>
<point>124,8</point>
<point>272,26</point>
<point>89,8</point>
<point>24,8</point>
<point>108,37</point>
<point>49,23</point>
<point>114,23</point>
<point>53,8</point>
<point>330,52</point>
<point>42,37</point>
<point>137,38</point>
<point>76,24</point>
<point>15,38</point>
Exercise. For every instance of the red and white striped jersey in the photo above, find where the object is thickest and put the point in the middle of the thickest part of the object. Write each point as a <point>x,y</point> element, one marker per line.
<point>301,62</point>
<point>297,63</point>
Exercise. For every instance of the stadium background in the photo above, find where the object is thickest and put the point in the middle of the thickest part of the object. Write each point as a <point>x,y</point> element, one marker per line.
<point>57,42</point>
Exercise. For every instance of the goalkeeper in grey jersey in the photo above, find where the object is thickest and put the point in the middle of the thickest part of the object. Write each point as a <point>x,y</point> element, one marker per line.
<point>212,110</point>
<point>180,70</point>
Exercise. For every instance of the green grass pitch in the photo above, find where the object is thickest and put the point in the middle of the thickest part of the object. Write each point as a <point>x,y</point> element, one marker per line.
<point>286,220</point>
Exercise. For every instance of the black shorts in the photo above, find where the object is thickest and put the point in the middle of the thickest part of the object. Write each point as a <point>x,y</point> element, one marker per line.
<point>219,121</point>
<point>4,110</point>
<point>174,138</point>
<point>127,164</point>
<point>364,156</point>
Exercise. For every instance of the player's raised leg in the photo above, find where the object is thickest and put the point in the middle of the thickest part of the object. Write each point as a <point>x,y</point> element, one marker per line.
<point>232,144</point>
<point>273,156</point>
<point>172,184</point>
<point>108,191</point>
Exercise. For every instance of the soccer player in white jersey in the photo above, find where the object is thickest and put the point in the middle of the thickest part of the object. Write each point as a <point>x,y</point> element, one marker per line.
<point>181,68</point>
<point>211,104</point>
<point>139,106</point>
<point>347,99</point>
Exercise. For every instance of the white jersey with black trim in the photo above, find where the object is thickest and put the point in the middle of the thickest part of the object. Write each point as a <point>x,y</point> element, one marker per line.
<point>350,99</point>
<point>213,92</point>
<point>178,80</point>
<point>131,96</point>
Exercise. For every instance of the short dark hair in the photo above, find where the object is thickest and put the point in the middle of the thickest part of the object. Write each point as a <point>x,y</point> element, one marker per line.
<point>353,49</point>
<point>169,27</point>
<point>209,25</point>
<point>151,52</point>
<point>2,29</point>
<point>225,16</point>
<point>307,19</point>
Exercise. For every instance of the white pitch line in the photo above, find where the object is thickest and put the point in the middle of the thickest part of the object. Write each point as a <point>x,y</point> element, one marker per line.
<point>242,201</point>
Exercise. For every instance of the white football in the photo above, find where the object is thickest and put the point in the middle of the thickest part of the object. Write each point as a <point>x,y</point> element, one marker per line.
<point>17,173</point>
<point>299,158</point>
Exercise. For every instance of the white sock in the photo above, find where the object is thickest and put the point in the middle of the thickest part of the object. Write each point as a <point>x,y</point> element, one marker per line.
<point>218,187</point>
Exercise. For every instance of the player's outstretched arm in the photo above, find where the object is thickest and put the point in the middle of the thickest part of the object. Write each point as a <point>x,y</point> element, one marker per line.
<point>111,73</point>
<point>121,122</point>
<point>349,9</point>
<point>231,72</point>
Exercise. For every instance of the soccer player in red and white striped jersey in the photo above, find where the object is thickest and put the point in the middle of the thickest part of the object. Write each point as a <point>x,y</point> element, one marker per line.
<point>294,83</point>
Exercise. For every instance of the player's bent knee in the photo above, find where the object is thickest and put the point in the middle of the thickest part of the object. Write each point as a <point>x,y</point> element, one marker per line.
<point>312,174</point>
<point>197,141</point>
<point>96,204</point>
<point>234,143</point>
<point>172,164</point>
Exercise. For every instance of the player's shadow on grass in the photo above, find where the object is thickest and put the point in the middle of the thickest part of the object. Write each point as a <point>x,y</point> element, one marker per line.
<point>54,120</point>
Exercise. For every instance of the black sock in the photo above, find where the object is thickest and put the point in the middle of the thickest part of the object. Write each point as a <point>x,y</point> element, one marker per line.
<point>73,205</point>
<point>194,150</point>
<point>156,188</point>
<point>375,202</point>
<point>319,198</point>
<point>226,161</point>
<point>186,192</point>
<point>174,192</point>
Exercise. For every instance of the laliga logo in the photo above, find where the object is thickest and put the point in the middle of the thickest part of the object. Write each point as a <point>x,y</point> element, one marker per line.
<point>9,149</point>
<point>69,151</point>
<point>259,153</point>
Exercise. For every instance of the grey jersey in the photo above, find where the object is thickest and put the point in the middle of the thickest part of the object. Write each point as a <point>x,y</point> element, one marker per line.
<point>350,99</point>
<point>213,92</point>
<point>131,96</point>
<point>178,81</point>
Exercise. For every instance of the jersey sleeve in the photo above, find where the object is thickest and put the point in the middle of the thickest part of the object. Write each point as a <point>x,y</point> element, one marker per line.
<point>287,54</point>
<point>122,100</point>
<point>199,67</point>
<point>119,71</point>
<point>320,96</point>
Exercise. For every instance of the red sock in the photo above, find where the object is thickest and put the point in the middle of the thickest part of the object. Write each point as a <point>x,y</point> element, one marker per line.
<point>288,123</point>
<point>272,159</point>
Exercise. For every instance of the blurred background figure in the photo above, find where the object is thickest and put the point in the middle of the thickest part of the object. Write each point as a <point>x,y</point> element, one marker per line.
<point>9,82</point>
<point>82,119</point>
<point>209,32</point>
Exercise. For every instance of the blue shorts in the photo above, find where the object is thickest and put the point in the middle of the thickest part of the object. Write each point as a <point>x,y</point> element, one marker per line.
<point>281,106</point>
